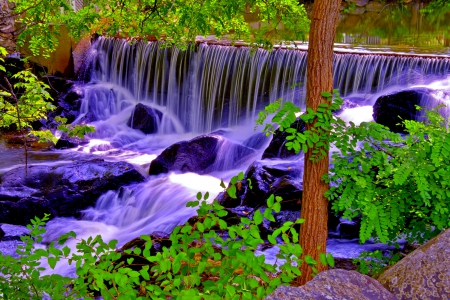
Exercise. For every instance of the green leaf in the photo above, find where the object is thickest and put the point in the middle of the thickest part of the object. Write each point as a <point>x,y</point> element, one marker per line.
<point>231,191</point>
<point>330,260</point>
<point>270,201</point>
<point>258,217</point>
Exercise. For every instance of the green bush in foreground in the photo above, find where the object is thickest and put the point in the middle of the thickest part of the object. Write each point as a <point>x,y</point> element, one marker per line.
<point>208,259</point>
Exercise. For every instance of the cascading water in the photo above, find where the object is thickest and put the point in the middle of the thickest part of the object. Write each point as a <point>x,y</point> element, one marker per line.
<point>198,90</point>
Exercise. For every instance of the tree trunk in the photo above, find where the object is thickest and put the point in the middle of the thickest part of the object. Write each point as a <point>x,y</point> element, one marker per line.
<point>314,231</point>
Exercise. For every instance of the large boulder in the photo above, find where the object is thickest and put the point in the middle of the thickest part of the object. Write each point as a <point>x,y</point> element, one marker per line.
<point>391,109</point>
<point>60,190</point>
<point>203,154</point>
<point>423,274</point>
<point>145,119</point>
<point>277,148</point>
<point>335,284</point>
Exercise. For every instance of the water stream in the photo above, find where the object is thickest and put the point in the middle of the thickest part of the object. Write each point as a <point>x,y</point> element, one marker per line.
<point>200,90</point>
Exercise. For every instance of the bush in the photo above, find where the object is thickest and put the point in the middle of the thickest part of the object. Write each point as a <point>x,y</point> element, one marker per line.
<point>208,259</point>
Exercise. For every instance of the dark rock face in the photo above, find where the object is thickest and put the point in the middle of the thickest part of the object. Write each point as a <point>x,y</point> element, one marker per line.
<point>68,106</point>
<point>60,191</point>
<point>390,110</point>
<point>276,148</point>
<point>145,119</point>
<point>348,229</point>
<point>2,233</point>
<point>335,284</point>
<point>200,155</point>
<point>66,142</point>
<point>282,180</point>
<point>423,274</point>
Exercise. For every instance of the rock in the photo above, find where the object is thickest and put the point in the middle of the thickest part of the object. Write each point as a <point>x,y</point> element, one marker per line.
<point>201,155</point>
<point>13,232</point>
<point>66,142</point>
<point>423,274</point>
<point>159,240</point>
<point>358,2</point>
<point>348,229</point>
<point>276,148</point>
<point>375,6</point>
<point>256,141</point>
<point>2,233</point>
<point>284,180</point>
<point>145,119</point>
<point>391,109</point>
<point>335,284</point>
<point>60,190</point>
<point>357,10</point>
<point>68,106</point>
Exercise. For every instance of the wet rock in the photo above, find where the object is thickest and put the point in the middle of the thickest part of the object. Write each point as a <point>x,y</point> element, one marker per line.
<point>375,6</point>
<point>276,148</point>
<point>13,232</point>
<point>358,2</point>
<point>145,119</point>
<point>68,106</point>
<point>348,229</point>
<point>389,110</point>
<point>67,142</point>
<point>284,180</point>
<point>256,141</point>
<point>335,284</point>
<point>61,190</point>
<point>423,274</point>
<point>201,155</point>
<point>358,10</point>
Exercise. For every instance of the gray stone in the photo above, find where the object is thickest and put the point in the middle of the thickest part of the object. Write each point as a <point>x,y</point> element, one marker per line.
<point>358,2</point>
<point>423,274</point>
<point>374,6</point>
<point>357,10</point>
<point>335,284</point>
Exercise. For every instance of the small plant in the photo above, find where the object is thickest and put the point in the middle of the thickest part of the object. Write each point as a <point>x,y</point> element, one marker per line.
<point>20,278</point>
<point>374,263</point>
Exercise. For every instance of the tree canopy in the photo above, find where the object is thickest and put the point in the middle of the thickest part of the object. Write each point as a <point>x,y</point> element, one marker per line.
<point>176,22</point>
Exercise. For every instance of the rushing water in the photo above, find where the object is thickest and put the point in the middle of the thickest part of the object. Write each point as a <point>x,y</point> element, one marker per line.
<point>199,90</point>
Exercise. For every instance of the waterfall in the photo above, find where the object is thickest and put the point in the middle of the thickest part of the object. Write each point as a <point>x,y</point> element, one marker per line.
<point>212,86</point>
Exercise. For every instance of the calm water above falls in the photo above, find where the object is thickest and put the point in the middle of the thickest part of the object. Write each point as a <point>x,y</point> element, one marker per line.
<point>199,90</point>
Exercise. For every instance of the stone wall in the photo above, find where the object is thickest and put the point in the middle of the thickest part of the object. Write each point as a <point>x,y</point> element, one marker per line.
<point>7,29</point>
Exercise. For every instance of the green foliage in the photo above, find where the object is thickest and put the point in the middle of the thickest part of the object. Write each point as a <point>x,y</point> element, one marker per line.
<point>20,278</point>
<point>27,101</point>
<point>397,185</point>
<point>374,263</point>
<point>176,22</point>
<point>322,121</point>
<point>30,103</point>
<point>208,259</point>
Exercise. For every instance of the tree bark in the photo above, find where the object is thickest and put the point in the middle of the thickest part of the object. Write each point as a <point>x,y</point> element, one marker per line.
<point>314,231</point>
